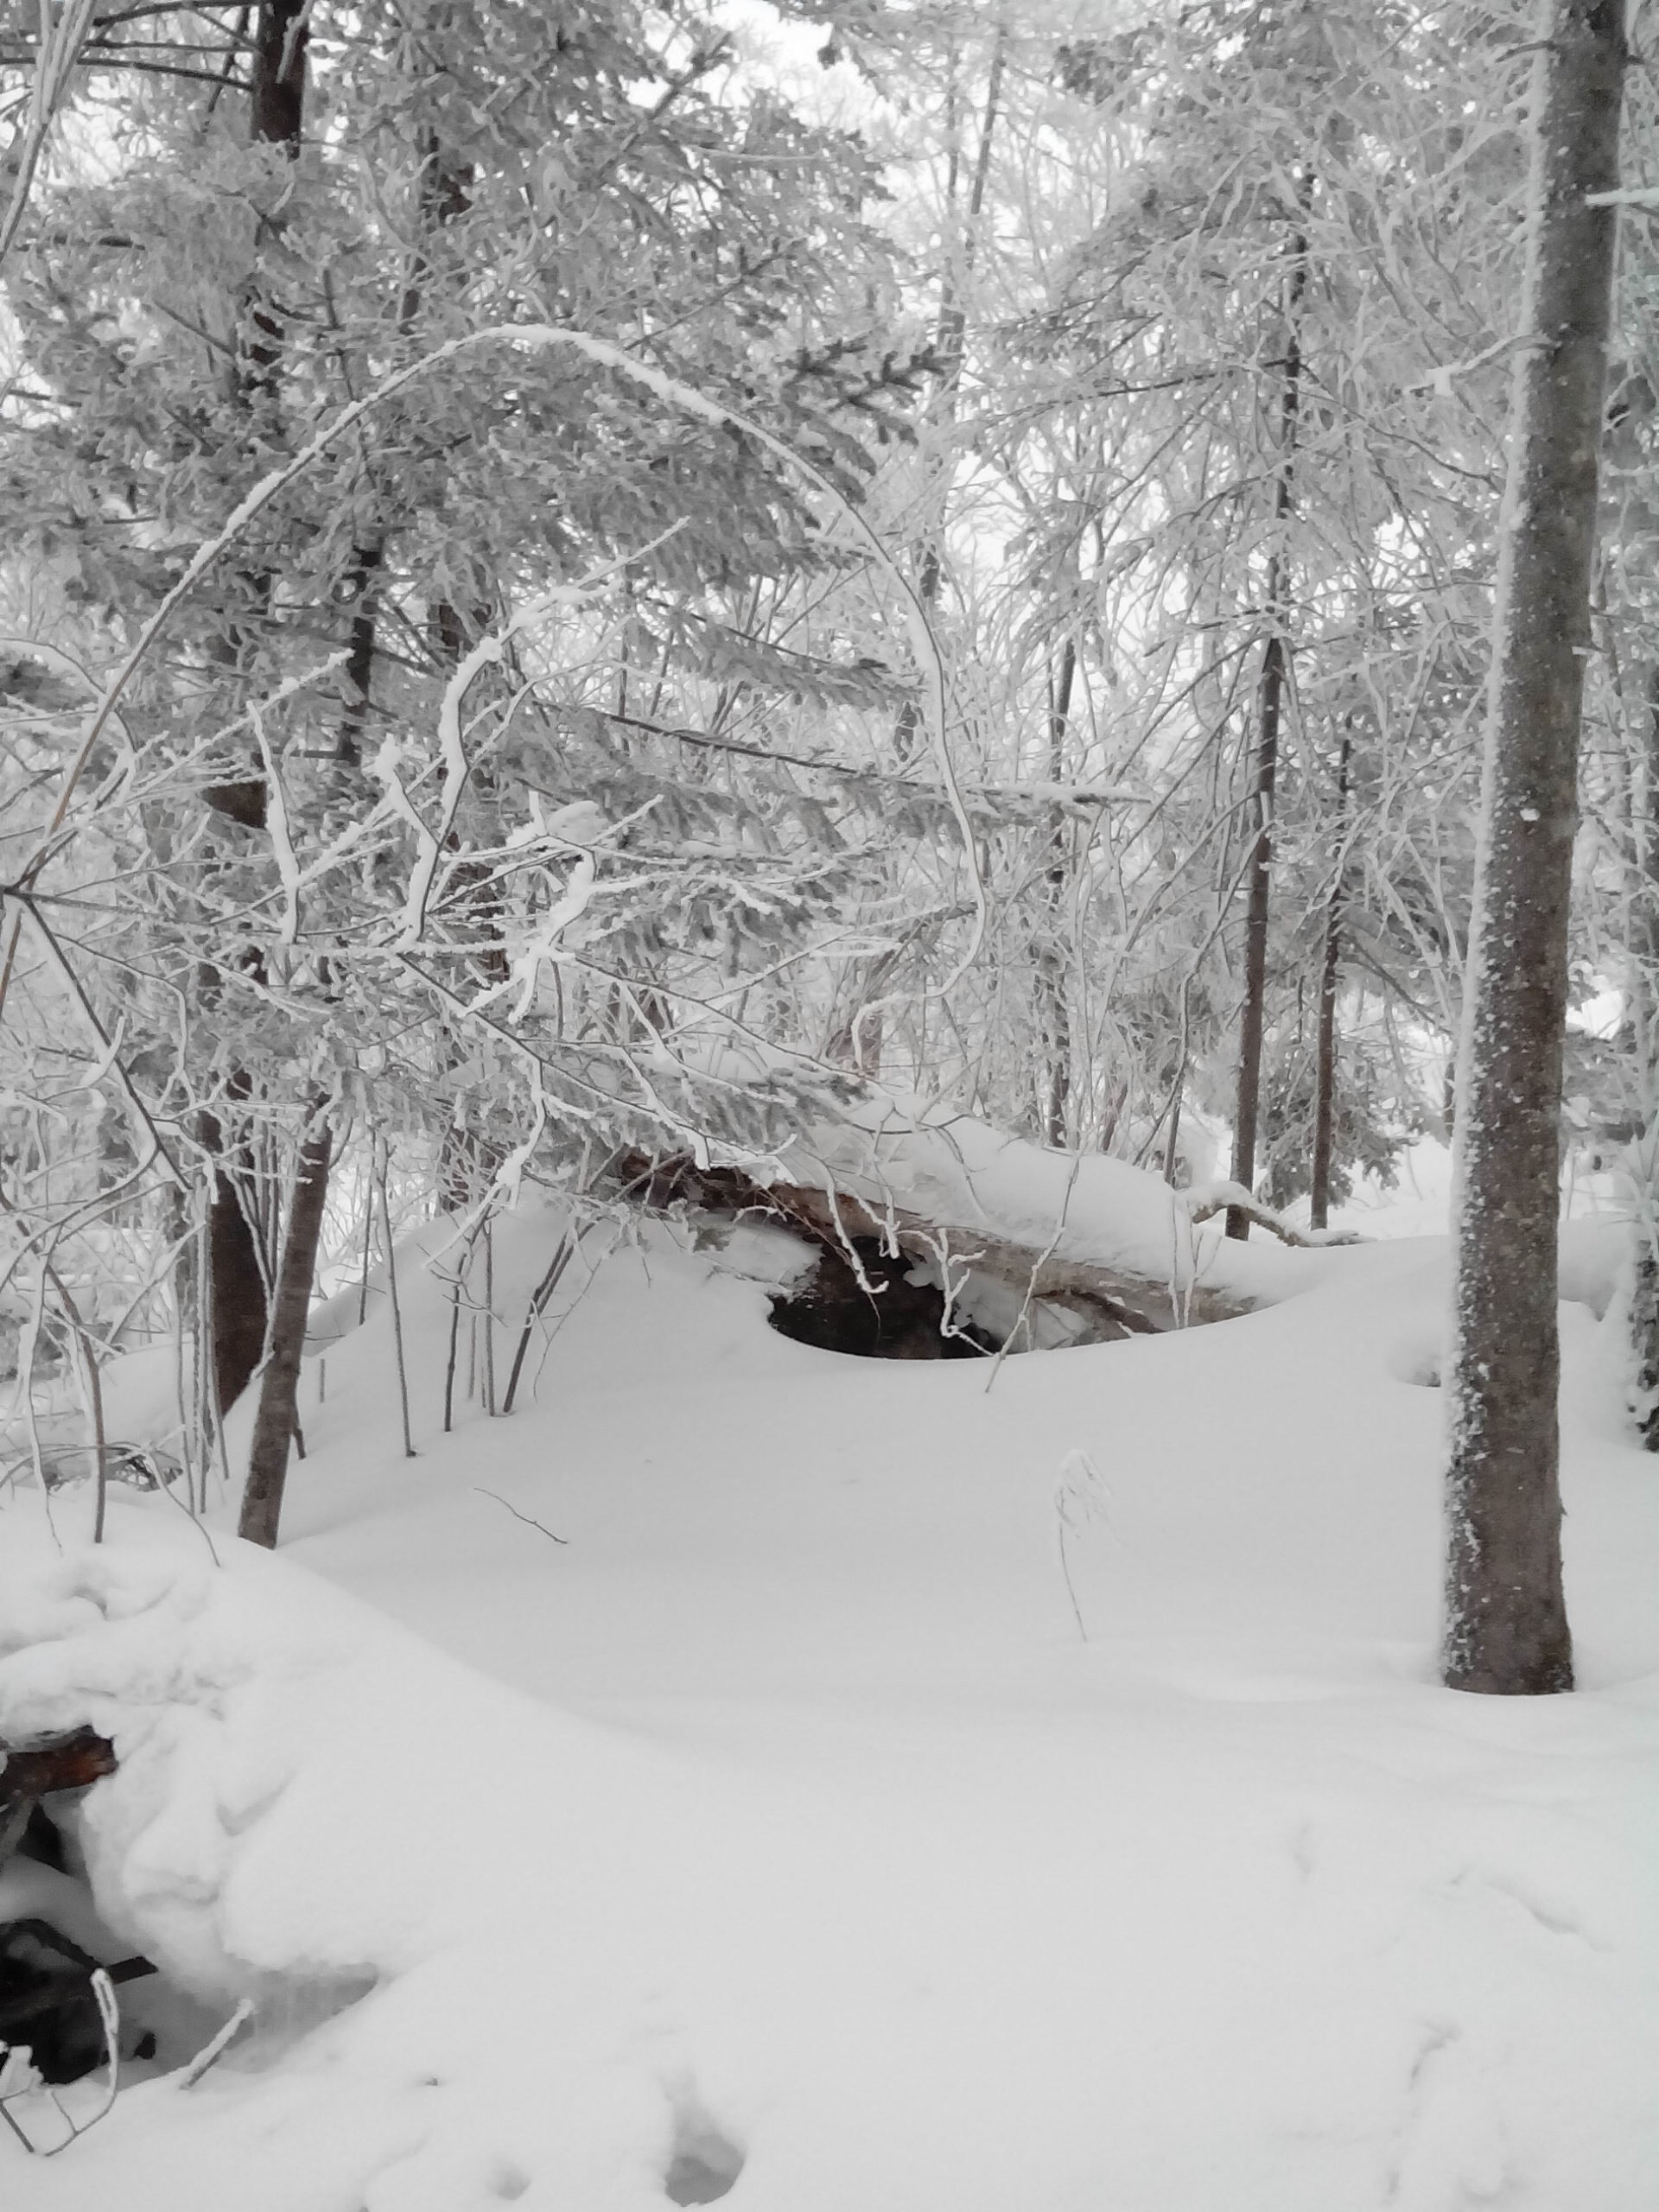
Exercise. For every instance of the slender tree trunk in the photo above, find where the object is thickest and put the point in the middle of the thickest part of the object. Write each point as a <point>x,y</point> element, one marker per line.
<point>949,344</point>
<point>1056,1023</point>
<point>1506,1628</point>
<point>1270,698</point>
<point>1252,1018</point>
<point>276,116</point>
<point>1324,1081</point>
<point>236,1283</point>
<point>278,1415</point>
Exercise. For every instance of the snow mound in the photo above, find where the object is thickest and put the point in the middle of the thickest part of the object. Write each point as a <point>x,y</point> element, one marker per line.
<point>934,1798</point>
<point>435,1892</point>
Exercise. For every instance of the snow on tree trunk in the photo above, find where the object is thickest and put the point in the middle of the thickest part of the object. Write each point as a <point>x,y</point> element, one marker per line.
<point>1644,1297</point>
<point>1506,1628</point>
<point>274,1425</point>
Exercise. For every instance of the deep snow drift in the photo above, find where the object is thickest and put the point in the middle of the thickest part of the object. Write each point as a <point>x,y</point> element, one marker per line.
<point>889,1792</point>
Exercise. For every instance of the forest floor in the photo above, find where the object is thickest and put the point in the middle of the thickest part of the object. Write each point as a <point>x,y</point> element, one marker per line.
<point>900,1787</point>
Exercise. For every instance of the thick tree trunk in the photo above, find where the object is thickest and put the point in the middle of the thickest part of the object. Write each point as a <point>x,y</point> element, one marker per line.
<point>1644,997</point>
<point>1325,1077</point>
<point>274,1427</point>
<point>1506,1628</point>
<point>1270,699</point>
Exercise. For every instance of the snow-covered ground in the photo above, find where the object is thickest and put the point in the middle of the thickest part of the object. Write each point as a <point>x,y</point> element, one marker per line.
<point>896,1792</point>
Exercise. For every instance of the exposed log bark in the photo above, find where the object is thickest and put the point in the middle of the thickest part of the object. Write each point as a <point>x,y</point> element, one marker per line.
<point>32,1771</point>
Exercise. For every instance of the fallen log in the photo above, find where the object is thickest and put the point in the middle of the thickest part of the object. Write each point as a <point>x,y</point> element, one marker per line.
<point>69,1762</point>
<point>1129,1304</point>
<point>48,2004</point>
<point>33,1771</point>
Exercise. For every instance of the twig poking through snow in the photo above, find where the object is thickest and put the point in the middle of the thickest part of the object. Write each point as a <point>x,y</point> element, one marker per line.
<point>1080,1496</point>
<point>383,1161</point>
<point>526,1518</point>
<point>189,2075</point>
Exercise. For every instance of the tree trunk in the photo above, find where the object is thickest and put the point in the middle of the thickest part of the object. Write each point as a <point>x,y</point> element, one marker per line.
<point>236,1283</point>
<point>949,345</point>
<point>1325,1080</point>
<point>1270,696</point>
<point>1055,1022</point>
<point>276,112</point>
<point>274,1428</point>
<point>277,87</point>
<point>236,1306</point>
<point>1645,1000</point>
<point>1506,1628</point>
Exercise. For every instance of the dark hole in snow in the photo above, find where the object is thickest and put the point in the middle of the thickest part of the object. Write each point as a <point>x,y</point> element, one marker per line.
<point>705,2164</point>
<point>46,2000</point>
<point>885,1316</point>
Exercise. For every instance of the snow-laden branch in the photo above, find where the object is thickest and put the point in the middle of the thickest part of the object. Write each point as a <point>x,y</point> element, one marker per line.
<point>55,56</point>
<point>538,337</point>
<point>1204,1200</point>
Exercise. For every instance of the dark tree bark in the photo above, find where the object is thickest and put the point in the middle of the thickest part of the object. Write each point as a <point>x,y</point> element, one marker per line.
<point>1506,1627</point>
<point>277,1419</point>
<point>1324,1077</point>
<point>237,1300</point>
<point>276,89</point>
<point>1270,701</point>
<point>237,1305</point>
<point>34,1771</point>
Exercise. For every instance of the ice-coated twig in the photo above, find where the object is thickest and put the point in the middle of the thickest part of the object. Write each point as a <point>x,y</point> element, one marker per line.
<point>214,2050</point>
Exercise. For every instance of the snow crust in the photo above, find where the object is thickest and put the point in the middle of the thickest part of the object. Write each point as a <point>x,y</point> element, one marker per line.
<point>784,1810</point>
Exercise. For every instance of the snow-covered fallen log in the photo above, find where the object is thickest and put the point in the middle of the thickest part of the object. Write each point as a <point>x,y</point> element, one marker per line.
<point>837,1220</point>
<point>1001,1219</point>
